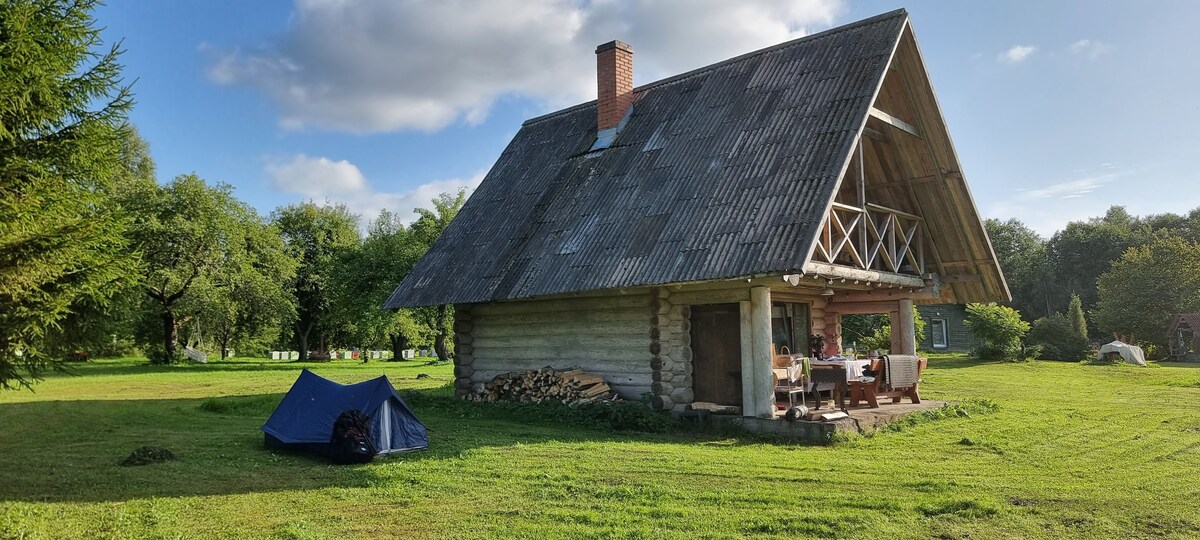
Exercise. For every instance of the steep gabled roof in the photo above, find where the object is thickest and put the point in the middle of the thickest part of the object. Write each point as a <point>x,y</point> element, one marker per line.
<point>1192,320</point>
<point>723,172</point>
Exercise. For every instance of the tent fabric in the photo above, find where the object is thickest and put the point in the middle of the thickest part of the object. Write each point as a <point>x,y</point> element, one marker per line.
<point>304,418</point>
<point>1130,353</point>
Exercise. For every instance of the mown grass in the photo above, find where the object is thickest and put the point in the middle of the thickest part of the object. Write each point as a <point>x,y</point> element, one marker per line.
<point>1063,451</point>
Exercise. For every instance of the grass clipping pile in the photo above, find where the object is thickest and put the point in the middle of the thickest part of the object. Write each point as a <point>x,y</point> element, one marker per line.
<point>569,387</point>
<point>147,455</point>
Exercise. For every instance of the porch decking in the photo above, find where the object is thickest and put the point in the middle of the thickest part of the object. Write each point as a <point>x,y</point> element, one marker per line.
<point>862,421</point>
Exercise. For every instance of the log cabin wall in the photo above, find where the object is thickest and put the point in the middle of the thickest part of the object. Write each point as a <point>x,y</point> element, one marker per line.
<point>639,342</point>
<point>610,336</point>
<point>671,349</point>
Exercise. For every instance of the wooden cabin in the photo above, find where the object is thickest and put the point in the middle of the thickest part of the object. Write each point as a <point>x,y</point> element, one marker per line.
<point>672,237</point>
<point>946,328</point>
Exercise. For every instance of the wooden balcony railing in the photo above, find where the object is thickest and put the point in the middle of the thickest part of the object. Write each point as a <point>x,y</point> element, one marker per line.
<point>872,238</point>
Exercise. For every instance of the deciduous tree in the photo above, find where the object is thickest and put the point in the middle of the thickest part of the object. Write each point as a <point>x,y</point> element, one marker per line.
<point>1024,259</point>
<point>1148,286</point>
<point>197,242</point>
<point>1000,328</point>
<point>428,227</point>
<point>314,236</point>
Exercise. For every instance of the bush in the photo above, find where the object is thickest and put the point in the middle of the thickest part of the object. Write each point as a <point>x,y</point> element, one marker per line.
<point>1000,330</point>
<point>160,357</point>
<point>1058,338</point>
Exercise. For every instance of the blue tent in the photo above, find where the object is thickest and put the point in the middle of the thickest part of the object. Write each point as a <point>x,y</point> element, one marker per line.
<point>304,419</point>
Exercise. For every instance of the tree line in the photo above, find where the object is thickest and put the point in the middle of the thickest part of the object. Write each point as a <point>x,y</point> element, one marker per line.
<point>1130,275</point>
<point>98,257</point>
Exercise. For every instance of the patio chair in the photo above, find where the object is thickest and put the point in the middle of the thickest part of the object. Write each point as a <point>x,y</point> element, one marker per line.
<point>868,390</point>
<point>903,377</point>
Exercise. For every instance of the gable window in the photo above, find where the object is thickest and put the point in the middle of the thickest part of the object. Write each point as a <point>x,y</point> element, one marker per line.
<point>789,328</point>
<point>937,331</point>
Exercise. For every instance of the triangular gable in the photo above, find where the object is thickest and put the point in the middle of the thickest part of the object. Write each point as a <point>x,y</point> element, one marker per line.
<point>909,164</point>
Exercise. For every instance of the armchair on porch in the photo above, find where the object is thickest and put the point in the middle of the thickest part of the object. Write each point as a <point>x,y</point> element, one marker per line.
<point>896,376</point>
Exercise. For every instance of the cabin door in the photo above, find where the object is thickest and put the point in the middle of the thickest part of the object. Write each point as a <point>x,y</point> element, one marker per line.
<point>717,353</point>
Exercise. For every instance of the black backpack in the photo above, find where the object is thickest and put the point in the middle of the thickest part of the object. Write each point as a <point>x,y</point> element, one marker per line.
<point>351,440</point>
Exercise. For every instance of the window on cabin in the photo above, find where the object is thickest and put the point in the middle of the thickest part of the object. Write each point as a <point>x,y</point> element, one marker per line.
<point>790,328</point>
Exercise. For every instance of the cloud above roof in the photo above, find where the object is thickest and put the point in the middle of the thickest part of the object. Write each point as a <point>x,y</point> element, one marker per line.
<point>387,65</point>
<point>1016,54</point>
<point>1091,49</point>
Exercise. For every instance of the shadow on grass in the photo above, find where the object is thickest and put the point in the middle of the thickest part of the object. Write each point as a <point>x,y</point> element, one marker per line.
<point>62,451</point>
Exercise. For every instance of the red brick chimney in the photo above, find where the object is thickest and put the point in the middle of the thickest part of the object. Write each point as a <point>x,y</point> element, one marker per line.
<point>614,75</point>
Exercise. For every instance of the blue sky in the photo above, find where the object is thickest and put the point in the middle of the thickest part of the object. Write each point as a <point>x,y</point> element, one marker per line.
<point>1058,110</point>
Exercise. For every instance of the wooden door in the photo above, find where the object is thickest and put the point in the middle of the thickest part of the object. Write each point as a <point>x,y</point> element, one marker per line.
<point>717,353</point>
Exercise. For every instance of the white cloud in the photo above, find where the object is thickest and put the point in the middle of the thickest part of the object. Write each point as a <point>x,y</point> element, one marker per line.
<point>1048,208</point>
<point>1016,54</point>
<point>385,65</point>
<point>324,180</point>
<point>316,177</point>
<point>1090,48</point>
<point>1070,188</point>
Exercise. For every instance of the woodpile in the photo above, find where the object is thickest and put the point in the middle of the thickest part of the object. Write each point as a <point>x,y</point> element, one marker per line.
<point>569,386</point>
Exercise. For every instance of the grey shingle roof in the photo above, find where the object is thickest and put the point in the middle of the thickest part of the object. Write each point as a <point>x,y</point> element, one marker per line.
<point>722,172</point>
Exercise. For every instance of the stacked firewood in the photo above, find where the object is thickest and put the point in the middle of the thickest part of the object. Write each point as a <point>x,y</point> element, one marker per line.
<point>569,386</point>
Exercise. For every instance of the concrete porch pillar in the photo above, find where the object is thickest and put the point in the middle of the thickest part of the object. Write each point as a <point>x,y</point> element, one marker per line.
<point>758,394</point>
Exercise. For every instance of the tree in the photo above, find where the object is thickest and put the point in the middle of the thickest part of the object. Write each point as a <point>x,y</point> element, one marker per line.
<point>874,331</point>
<point>1058,338</point>
<point>1000,328</point>
<point>1148,286</point>
<point>250,307</point>
<point>1075,315</point>
<point>426,230</point>
<point>62,116</point>
<point>1024,259</point>
<point>105,326</point>
<point>197,243</point>
<point>1083,250</point>
<point>314,237</point>
<point>364,277</point>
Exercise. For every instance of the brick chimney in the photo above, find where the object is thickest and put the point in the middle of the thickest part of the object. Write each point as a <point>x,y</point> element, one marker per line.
<point>614,75</point>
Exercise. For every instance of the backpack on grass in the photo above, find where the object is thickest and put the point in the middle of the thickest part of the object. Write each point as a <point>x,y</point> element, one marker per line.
<point>351,440</point>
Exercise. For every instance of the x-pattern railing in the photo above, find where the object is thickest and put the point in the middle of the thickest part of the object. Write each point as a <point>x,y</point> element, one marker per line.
<point>874,238</point>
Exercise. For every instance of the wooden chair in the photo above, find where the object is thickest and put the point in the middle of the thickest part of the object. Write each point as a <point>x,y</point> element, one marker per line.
<point>867,391</point>
<point>911,392</point>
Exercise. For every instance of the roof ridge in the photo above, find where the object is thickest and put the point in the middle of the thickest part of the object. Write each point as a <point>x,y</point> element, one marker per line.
<point>738,58</point>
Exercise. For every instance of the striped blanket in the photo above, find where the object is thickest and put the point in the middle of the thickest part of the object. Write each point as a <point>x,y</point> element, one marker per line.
<point>901,371</point>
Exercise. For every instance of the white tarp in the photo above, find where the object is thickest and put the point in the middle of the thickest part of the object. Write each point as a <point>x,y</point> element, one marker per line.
<point>1130,353</point>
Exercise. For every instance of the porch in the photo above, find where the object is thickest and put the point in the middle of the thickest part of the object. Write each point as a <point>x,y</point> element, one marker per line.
<point>861,420</point>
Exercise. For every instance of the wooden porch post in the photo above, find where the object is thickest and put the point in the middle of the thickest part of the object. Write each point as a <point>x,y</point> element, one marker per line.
<point>905,326</point>
<point>833,332</point>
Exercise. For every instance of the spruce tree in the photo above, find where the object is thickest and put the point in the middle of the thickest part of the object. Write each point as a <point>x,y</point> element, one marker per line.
<point>1075,314</point>
<point>63,110</point>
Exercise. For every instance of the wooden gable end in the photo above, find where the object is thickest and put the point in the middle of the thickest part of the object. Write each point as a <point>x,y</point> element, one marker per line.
<point>910,172</point>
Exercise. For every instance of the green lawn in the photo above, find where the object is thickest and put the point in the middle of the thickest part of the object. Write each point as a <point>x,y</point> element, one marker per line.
<point>1073,452</point>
